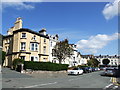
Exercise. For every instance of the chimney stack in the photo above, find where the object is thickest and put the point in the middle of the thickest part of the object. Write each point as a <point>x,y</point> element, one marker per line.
<point>18,23</point>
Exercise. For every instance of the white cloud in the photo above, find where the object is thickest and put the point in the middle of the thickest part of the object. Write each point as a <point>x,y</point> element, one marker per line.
<point>21,0</point>
<point>94,43</point>
<point>110,10</point>
<point>19,4</point>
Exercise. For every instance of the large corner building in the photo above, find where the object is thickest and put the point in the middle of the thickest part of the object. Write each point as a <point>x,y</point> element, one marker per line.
<point>25,44</point>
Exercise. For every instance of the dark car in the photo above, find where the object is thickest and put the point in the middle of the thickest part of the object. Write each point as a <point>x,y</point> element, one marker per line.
<point>90,69</point>
<point>85,69</point>
<point>93,69</point>
<point>101,68</point>
<point>110,72</point>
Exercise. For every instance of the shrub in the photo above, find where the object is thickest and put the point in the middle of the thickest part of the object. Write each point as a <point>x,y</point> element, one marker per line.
<point>46,66</point>
<point>17,61</point>
<point>71,68</point>
<point>82,65</point>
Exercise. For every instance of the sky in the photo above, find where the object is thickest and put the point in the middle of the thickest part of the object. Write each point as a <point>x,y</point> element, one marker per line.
<point>92,26</point>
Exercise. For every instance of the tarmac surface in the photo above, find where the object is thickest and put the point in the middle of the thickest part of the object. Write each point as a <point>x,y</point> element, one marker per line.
<point>13,79</point>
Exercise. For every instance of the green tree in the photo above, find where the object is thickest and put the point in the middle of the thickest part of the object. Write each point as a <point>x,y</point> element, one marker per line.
<point>16,62</point>
<point>106,61</point>
<point>3,56</point>
<point>62,50</point>
<point>93,62</point>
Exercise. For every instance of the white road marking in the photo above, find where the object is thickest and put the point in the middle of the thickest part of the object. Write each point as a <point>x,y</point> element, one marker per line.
<point>108,86</point>
<point>39,85</point>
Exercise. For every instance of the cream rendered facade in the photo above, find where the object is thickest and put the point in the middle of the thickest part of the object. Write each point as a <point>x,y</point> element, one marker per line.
<point>114,60</point>
<point>26,44</point>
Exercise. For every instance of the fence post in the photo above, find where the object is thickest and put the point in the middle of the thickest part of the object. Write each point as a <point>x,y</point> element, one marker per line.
<point>22,65</point>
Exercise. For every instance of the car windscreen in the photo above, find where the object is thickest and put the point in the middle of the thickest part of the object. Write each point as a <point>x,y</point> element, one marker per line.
<point>75,69</point>
<point>109,69</point>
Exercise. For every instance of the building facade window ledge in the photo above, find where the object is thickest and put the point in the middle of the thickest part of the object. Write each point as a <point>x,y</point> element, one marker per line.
<point>22,50</point>
<point>43,54</point>
<point>33,51</point>
<point>23,38</point>
<point>34,42</point>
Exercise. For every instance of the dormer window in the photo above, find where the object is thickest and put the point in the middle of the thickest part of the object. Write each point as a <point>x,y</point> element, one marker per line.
<point>23,35</point>
<point>34,38</point>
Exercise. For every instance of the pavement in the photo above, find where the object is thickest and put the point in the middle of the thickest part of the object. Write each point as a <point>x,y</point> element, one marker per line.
<point>8,73</point>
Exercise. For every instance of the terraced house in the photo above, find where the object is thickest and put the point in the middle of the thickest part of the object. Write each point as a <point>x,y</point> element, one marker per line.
<point>25,44</point>
<point>114,60</point>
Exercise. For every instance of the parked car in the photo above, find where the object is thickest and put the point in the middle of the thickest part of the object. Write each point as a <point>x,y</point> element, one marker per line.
<point>85,69</point>
<point>90,69</point>
<point>93,69</point>
<point>101,68</point>
<point>75,71</point>
<point>97,69</point>
<point>110,72</point>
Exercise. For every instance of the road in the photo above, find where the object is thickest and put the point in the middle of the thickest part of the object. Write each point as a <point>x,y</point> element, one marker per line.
<point>12,79</point>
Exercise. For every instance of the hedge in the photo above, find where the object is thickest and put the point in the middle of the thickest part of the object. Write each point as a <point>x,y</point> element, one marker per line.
<point>46,66</point>
<point>83,66</point>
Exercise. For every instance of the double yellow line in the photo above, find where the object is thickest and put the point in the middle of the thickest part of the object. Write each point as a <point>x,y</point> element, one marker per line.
<point>114,81</point>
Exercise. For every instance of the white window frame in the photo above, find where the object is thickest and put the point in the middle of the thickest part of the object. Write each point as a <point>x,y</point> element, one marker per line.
<point>34,37</point>
<point>34,58</point>
<point>22,35</point>
<point>34,47</point>
<point>23,56</point>
<point>44,49</point>
<point>23,47</point>
<point>44,59</point>
<point>51,43</point>
<point>45,41</point>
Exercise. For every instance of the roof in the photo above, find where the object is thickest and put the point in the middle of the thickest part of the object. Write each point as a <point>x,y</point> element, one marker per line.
<point>87,56</point>
<point>107,56</point>
<point>31,31</point>
<point>6,36</point>
<point>27,30</point>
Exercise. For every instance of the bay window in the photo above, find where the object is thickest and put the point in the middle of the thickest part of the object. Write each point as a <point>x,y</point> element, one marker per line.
<point>34,46</point>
